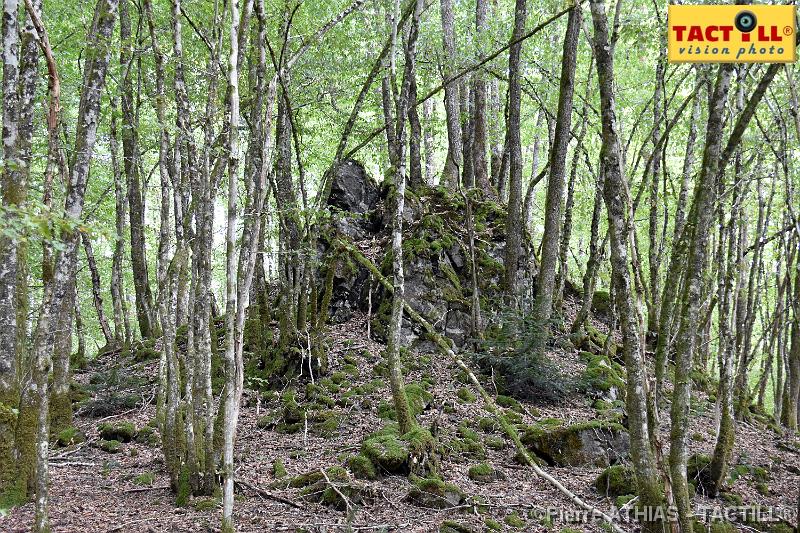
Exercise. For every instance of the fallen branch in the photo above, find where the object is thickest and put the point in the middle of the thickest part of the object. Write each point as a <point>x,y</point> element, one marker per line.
<point>345,499</point>
<point>267,495</point>
<point>445,346</point>
<point>70,463</point>
<point>147,489</point>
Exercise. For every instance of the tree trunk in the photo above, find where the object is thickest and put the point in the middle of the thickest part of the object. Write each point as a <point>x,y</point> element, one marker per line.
<point>131,166</point>
<point>97,289</point>
<point>12,198</point>
<point>479,124</point>
<point>452,165</point>
<point>617,200</point>
<point>514,229</point>
<point>56,293</point>
<point>545,281</point>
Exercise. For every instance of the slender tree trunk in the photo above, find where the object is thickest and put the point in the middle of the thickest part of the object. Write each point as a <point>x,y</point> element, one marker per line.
<point>479,123</point>
<point>122,326</point>
<point>56,293</point>
<point>12,198</point>
<point>131,166</point>
<point>233,372</point>
<point>97,295</point>
<point>514,229</point>
<point>546,278</point>
<point>453,162</point>
<point>617,200</point>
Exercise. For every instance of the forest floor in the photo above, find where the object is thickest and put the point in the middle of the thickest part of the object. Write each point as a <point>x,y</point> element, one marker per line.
<point>96,491</point>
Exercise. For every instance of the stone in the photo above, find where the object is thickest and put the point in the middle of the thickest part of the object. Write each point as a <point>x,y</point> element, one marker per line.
<point>597,443</point>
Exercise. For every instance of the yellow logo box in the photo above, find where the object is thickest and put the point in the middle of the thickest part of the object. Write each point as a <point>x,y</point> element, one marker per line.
<point>731,34</point>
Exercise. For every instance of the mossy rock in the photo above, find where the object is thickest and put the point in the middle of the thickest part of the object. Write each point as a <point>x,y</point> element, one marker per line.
<point>361,467</point>
<point>601,302</point>
<point>484,473</point>
<point>488,424</point>
<point>604,375</point>
<point>205,504</point>
<point>148,435</point>
<point>722,527</point>
<point>70,436</point>
<point>623,500</point>
<point>433,493</point>
<point>599,443</point>
<point>616,480</point>
<point>451,526</point>
<point>494,442</point>
<point>492,525</point>
<point>334,473</point>
<point>120,431</point>
<point>110,446</point>
<point>731,498</point>
<point>145,351</point>
<point>393,453</point>
<point>325,423</point>
<point>316,488</point>
<point>509,403</point>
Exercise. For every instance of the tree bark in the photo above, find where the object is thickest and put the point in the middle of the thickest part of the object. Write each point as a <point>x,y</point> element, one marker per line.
<point>452,166</point>
<point>546,278</point>
<point>617,200</point>
<point>514,229</point>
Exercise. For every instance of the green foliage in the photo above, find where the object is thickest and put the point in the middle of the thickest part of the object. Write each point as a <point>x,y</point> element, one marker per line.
<point>524,371</point>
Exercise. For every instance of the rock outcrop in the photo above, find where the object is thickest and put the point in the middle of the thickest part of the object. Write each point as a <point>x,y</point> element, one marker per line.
<point>438,275</point>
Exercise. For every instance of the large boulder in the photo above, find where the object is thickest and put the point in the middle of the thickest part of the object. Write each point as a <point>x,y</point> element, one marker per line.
<point>597,443</point>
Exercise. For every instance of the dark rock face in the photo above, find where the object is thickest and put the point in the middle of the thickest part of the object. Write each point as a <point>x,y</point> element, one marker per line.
<point>352,190</point>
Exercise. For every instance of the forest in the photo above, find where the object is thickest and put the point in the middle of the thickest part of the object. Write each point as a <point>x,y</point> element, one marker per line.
<point>394,265</point>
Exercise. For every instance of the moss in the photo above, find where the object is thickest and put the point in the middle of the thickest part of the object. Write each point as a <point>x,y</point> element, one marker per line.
<point>70,436</point>
<point>623,500</point>
<point>601,302</point>
<point>325,423</point>
<point>492,525</point>
<point>602,374</point>
<point>147,478</point>
<point>731,498</point>
<point>110,446</point>
<point>147,435</point>
<point>433,492</point>
<point>722,527</point>
<point>616,480</point>
<point>697,470</point>
<point>206,504</point>
<point>451,526</point>
<point>351,370</point>
<point>483,472</point>
<point>762,488</point>
<point>488,424</point>
<point>121,431</point>
<point>418,398</point>
<point>386,451</point>
<point>184,487</point>
<point>334,473</point>
<point>278,469</point>
<point>510,403</point>
<point>514,520</point>
<point>495,443</point>
<point>465,395</point>
<point>361,467</point>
